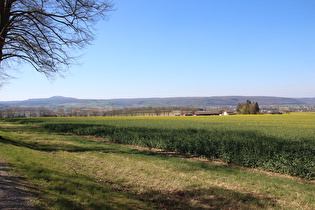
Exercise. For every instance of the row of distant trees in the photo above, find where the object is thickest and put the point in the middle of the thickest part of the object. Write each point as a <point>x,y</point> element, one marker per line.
<point>145,111</point>
<point>14,112</point>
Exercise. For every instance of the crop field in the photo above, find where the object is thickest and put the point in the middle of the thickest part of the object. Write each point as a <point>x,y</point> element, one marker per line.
<point>91,171</point>
<point>278,143</point>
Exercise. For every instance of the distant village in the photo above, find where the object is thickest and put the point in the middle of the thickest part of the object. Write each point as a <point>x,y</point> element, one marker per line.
<point>19,112</point>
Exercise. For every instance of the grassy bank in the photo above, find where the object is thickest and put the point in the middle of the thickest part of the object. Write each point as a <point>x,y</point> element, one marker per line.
<point>66,171</point>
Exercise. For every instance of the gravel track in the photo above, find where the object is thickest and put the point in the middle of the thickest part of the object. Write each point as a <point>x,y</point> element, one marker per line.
<point>13,192</point>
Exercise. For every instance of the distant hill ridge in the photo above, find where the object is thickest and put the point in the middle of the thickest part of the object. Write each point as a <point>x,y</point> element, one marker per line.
<point>60,101</point>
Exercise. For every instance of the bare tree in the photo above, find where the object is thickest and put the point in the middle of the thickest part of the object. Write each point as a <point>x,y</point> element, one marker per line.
<point>42,32</point>
<point>9,112</point>
<point>150,110</point>
<point>169,109</point>
<point>95,111</point>
<point>45,112</point>
<point>32,112</point>
<point>157,111</point>
<point>60,112</point>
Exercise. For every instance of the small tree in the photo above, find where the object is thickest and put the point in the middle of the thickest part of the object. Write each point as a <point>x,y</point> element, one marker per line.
<point>60,112</point>
<point>157,111</point>
<point>257,109</point>
<point>239,107</point>
<point>45,112</point>
<point>252,109</point>
<point>149,110</point>
<point>95,111</point>
<point>169,109</point>
<point>244,110</point>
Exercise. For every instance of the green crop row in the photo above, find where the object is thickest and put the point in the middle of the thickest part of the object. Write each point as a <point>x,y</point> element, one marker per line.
<point>247,148</point>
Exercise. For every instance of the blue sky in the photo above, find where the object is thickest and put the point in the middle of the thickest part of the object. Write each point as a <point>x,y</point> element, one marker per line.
<point>181,48</point>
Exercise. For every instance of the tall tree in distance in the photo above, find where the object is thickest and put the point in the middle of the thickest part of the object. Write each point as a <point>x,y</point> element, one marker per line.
<point>42,32</point>
<point>239,107</point>
<point>248,108</point>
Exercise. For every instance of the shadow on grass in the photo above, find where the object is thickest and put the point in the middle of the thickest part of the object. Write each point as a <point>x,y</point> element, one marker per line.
<point>80,191</point>
<point>52,147</point>
<point>212,198</point>
<point>79,144</point>
<point>22,120</point>
<point>63,190</point>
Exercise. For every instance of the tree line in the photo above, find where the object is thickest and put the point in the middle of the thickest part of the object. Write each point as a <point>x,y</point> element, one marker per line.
<point>248,108</point>
<point>15,112</point>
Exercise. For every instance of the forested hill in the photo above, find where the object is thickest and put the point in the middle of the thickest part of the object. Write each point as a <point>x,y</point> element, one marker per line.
<point>210,101</point>
<point>59,101</point>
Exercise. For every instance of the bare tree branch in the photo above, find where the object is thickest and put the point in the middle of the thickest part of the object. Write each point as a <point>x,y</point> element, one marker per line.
<point>41,32</point>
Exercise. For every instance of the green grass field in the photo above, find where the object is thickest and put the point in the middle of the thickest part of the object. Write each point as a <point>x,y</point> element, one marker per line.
<point>278,143</point>
<point>80,172</point>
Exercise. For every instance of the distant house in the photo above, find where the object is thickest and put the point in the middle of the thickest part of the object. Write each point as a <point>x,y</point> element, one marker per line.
<point>187,114</point>
<point>202,113</point>
<point>272,112</point>
<point>228,113</point>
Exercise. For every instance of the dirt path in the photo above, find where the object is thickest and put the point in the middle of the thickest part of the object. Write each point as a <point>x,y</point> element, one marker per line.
<point>13,193</point>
